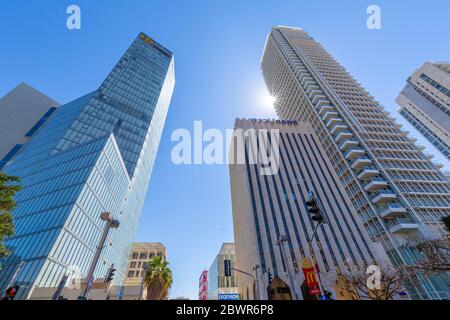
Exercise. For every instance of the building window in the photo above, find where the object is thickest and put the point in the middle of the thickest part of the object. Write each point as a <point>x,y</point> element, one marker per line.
<point>135,255</point>
<point>133,265</point>
<point>143,256</point>
<point>130,274</point>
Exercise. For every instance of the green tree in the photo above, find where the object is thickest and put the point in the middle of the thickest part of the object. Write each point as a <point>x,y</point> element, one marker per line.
<point>8,188</point>
<point>158,279</point>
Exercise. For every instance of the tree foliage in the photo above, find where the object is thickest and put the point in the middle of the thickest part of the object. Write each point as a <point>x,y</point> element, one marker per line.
<point>158,279</point>
<point>8,188</point>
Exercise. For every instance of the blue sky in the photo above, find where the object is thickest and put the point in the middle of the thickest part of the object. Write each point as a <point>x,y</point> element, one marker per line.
<point>218,46</point>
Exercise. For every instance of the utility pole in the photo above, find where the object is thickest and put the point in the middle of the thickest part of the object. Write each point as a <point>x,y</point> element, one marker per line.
<point>249,275</point>
<point>110,224</point>
<point>280,242</point>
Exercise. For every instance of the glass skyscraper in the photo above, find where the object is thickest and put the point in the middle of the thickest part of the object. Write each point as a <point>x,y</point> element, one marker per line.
<point>398,193</point>
<point>94,155</point>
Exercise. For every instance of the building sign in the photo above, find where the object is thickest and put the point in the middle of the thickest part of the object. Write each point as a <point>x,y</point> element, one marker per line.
<point>310,277</point>
<point>229,296</point>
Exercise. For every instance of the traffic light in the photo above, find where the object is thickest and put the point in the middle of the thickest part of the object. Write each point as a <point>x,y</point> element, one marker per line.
<point>314,210</point>
<point>227,268</point>
<point>270,277</point>
<point>110,275</point>
<point>11,292</point>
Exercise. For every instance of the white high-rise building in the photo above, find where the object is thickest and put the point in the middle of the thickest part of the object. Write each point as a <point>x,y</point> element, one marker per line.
<point>425,103</point>
<point>398,193</point>
<point>268,208</point>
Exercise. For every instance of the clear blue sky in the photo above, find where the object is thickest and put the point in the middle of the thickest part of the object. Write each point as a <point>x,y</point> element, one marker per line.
<point>217,46</point>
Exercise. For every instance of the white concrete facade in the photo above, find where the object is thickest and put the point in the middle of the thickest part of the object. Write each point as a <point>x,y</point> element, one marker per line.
<point>266,207</point>
<point>398,193</point>
<point>425,103</point>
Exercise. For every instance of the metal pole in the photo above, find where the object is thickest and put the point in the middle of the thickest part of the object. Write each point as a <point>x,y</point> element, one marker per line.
<point>256,267</point>
<point>313,262</point>
<point>110,223</point>
<point>14,277</point>
<point>283,256</point>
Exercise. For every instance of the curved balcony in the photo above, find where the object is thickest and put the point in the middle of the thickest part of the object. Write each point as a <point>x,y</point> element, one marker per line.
<point>376,184</point>
<point>438,165</point>
<point>338,128</point>
<point>360,163</point>
<point>343,135</point>
<point>320,102</point>
<point>354,153</point>
<point>330,114</point>
<point>325,109</point>
<point>368,173</point>
<point>334,121</point>
<point>402,225</point>
<point>392,211</point>
<point>347,144</point>
<point>384,196</point>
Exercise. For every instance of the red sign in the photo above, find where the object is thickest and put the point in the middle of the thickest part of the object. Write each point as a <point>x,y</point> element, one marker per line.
<point>311,281</point>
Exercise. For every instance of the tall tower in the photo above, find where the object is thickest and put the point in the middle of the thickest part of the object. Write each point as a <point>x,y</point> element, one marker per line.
<point>94,155</point>
<point>398,193</point>
<point>425,103</point>
<point>268,207</point>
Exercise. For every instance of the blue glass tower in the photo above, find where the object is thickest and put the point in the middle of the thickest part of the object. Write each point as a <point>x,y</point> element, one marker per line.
<point>94,155</point>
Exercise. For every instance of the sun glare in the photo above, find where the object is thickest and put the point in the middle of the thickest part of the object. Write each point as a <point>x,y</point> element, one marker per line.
<point>268,100</point>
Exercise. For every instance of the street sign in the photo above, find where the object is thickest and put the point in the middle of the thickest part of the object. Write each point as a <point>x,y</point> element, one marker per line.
<point>229,296</point>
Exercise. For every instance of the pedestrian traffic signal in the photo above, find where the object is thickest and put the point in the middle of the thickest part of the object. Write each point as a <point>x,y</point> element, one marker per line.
<point>11,292</point>
<point>110,275</point>
<point>314,210</point>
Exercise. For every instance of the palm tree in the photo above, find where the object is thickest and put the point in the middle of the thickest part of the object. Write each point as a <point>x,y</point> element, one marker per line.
<point>158,279</point>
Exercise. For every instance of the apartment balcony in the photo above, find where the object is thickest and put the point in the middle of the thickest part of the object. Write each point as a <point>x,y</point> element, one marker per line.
<point>328,115</point>
<point>361,163</point>
<point>368,174</point>
<point>325,109</point>
<point>376,184</point>
<point>354,153</point>
<point>348,144</point>
<point>402,226</point>
<point>338,128</point>
<point>321,102</point>
<point>314,91</point>
<point>429,156</point>
<point>312,88</point>
<point>342,136</point>
<point>421,147</point>
<point>384,196</point>
<point>393,211</point>
<point>334,121</point>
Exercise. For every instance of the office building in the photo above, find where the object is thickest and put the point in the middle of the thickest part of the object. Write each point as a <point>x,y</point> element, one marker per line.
<point>425,103</point>
<point>141,254</point>
<point>203,286</point>
<point>22,112</point>
<point>267,208</point>
<point>94,155</point>
<point>398,193</point>
<point>221,286</point>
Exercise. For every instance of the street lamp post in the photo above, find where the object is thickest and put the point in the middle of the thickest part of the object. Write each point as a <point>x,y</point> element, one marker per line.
<point>255,268</point>
<point>110,224</point>
<point>280,242</point>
